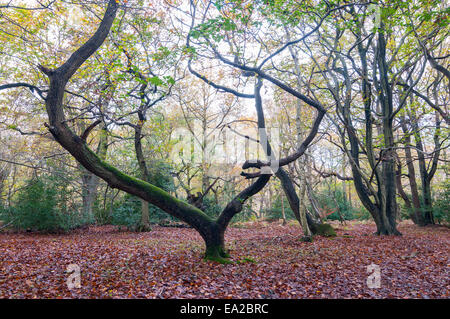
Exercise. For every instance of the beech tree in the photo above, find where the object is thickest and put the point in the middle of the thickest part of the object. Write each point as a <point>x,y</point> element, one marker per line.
<point>365,66</point>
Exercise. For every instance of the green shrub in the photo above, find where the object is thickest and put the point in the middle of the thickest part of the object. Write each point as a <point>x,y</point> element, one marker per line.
<point>362,213</point>
<point>441,207</point>
<point>212,209</point>
<point>128,213</point>
<point>337,206</point>
<point>39,208</point>
<point>276,211</point>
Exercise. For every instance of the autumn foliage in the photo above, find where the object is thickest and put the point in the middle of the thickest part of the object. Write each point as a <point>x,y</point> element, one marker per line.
<point>270,261</point>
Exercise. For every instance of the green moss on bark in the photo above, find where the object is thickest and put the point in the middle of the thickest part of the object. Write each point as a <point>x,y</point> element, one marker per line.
<point>323,230</point>
<point>217,254</point>
<point>307,239</point>
<point>147,191</point>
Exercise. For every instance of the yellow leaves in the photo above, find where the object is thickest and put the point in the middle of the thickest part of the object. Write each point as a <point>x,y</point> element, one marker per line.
<point>391,43</point>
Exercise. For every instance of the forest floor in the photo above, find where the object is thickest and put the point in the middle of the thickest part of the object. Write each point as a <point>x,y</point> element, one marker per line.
<point>270,261</point>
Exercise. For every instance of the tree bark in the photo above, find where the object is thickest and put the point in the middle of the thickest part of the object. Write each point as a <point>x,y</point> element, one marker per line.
<point>4,172</point>
<point>280,173</point>
<point>283,213</point>
<point>91,181</point>
<point>389,209</point>
<point>145,217</point>
<point>384,207</point>
<point>426,175</point>
<point>416,214</point>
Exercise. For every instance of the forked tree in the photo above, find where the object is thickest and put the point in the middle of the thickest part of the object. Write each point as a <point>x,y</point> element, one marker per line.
<point>211,230</point>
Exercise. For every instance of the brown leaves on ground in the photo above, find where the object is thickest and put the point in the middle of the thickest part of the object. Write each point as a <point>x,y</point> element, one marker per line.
<point>270,262</point>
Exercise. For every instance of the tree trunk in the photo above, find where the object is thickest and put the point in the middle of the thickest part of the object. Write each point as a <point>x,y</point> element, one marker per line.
<point>388,187</point>
<point>89,194</point>
<point>215,244</point>
<point>314,203</point>
<point>402,194</point>
<point>428,204</point>
<point>416,214</point>
<point>91,181</point>
<point>283,213</point>
<point>144,224</point>
<point>3,176</point>
<point>280,173</point>
<point>425,176</point>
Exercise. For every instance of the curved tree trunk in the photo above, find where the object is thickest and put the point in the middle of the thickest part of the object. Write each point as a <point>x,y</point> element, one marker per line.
<point>210,230</point>
<point>294,201</point>
<point>281,174</point>
<point>78,148</point>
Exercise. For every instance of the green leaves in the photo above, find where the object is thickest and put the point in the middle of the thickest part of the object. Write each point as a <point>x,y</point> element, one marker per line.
<point>162,53</point>
<point>213,28</point>
<point>155,81</point>
<point>169,80</point>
